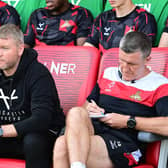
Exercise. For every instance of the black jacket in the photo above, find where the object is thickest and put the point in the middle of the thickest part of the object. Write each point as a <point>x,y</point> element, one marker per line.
<point>29,98</point>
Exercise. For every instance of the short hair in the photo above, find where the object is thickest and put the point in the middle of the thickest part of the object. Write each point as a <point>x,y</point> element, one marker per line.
<point>136,41</point>
<point>12,31</point>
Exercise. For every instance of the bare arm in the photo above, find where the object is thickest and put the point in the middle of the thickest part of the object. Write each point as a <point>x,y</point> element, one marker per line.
<point>80,41</point>
<point>88,44</point>
<point>163,40</point>
<point>158,125</point>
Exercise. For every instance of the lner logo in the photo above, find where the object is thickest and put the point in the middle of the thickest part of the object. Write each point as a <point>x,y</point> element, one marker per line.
<point>61,68</point>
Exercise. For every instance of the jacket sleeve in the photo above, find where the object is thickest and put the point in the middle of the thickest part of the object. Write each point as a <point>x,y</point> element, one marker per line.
<point>45,107</point>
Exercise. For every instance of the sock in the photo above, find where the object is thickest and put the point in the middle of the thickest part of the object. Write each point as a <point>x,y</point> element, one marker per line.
<point>77,165</point>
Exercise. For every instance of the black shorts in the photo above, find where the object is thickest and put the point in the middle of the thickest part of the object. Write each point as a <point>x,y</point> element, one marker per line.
<point>122,150</point>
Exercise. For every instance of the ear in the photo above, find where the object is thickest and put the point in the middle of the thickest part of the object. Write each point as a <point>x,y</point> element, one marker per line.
<point>147,59</point>
<point>21,49</point>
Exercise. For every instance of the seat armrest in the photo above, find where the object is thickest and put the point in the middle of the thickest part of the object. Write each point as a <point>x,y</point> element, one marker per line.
<point>150,137</point>
<point>163,156</point>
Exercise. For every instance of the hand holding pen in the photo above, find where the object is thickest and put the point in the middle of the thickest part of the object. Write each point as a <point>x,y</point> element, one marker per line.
<point>94,110</point>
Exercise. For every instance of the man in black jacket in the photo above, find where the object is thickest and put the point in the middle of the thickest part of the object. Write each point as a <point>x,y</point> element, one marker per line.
<point>29,103</point>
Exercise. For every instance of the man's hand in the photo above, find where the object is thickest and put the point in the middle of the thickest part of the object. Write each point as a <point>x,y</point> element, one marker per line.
<point>115,120</point>
<point>94,109</point>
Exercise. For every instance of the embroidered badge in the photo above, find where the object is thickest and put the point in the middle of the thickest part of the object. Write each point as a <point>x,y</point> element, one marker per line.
<point>40,26</point>
<point>107,31</point>
<point>110,85</point>
<point>136,96</point>
<point>65,24</point>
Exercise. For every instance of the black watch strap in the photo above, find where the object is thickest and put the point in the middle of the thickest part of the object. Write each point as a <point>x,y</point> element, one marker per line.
<point>131,123</point>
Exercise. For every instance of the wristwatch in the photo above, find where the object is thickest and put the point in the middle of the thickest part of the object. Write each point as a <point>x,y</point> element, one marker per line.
<point>131,123</point>
<point>1,131</point>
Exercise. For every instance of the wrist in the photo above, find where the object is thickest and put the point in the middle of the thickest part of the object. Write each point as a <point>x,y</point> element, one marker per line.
<point>131,122</point>
<point>1,131</point>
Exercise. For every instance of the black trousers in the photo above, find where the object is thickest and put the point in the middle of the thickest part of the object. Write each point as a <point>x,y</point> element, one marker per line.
<point>35,148</point>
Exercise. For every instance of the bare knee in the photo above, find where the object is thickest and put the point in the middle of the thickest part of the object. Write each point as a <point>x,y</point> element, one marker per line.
<point>76,115</point>
<point>60,149</point>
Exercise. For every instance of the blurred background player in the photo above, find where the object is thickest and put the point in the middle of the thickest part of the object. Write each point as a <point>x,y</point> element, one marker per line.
<point>8,14</point>
<point>110,26</point>
<point>157,8</point>
<point>61,23</point>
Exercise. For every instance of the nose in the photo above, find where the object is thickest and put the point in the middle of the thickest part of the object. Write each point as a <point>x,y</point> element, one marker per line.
<point>125,66</point>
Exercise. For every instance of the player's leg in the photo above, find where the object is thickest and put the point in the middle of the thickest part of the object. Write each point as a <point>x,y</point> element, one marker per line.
<point>74,146</point>
<point>98,154</point>
<point>60,154</point>
<point>38,150</point>
<point>78,131</point>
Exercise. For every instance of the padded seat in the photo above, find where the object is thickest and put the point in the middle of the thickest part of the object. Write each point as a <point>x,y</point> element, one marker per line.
<point>74,69</point>
<point>11,163</point>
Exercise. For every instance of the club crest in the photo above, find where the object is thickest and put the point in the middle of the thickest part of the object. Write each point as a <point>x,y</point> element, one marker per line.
<point>136,96</point>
